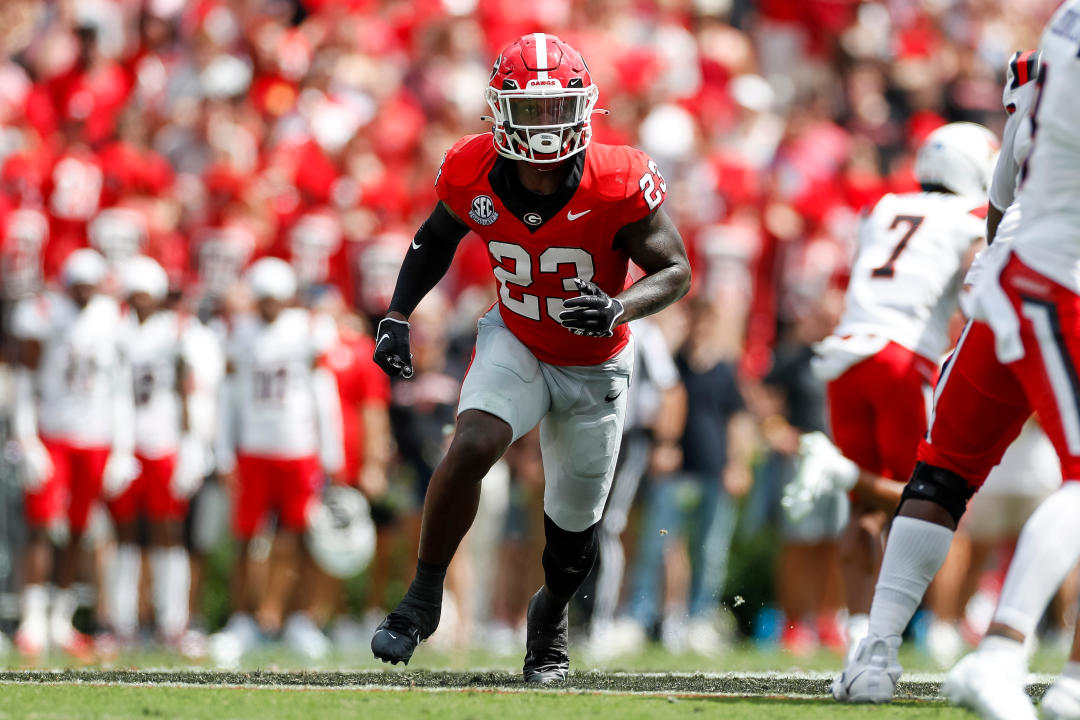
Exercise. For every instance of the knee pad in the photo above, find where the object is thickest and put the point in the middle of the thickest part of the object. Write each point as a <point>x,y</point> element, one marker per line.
<point>940,486</point>
<point>568,557</point>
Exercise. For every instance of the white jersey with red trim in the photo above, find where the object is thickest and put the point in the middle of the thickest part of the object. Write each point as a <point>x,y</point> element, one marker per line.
<point>204,358</point>
<point>906,279</point>
<point>78,367</point>
<point>272,367</point>
<point>154,348</point>
<point>1049,239</point>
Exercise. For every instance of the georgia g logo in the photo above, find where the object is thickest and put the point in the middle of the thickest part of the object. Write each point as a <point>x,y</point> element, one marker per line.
<point>483,210</point>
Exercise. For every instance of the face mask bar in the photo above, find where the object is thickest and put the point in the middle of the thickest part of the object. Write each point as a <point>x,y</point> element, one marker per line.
<point>541,127</point>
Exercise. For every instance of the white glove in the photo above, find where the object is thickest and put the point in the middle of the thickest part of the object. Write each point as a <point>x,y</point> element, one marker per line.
<point>799,499</point>
<point>37,466</point>
<point>191,468</point>
<point>120,471</point>
<point>820,469</point>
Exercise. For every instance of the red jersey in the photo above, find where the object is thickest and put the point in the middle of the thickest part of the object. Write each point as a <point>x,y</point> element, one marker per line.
<point>537,243</point>
<point>360,383</point>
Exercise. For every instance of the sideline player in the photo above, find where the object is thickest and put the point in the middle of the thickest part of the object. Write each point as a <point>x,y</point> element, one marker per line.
<point>880,363</point>
<point>172,459</point>
<point>656,413</point>
<point>561,220</point>
<point>1018,355</point>
<point>280,431</point>
<point>74,424</point>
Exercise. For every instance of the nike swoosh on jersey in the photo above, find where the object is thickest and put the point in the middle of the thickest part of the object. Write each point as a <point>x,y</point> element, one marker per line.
<point>610,397</point>
<point>415,245</point>
<point>571,216</point>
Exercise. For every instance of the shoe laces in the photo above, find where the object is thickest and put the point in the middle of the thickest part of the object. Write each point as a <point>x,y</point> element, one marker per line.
<point>406,624</point>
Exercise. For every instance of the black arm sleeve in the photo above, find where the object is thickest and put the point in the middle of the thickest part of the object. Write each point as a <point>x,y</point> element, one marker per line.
<point>428,259</point>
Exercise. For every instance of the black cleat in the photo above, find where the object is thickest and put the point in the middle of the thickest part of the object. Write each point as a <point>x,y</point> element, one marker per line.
<point>397,636</point>
<point>547,639</point>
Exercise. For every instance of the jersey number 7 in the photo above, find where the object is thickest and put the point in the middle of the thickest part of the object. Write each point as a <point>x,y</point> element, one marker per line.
<point>913,221</point>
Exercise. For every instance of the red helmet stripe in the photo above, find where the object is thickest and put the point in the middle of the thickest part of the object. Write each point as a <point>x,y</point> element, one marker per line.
<point>540,40</point>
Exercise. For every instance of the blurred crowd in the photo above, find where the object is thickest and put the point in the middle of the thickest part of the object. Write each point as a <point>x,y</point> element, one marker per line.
<point>211,133</point>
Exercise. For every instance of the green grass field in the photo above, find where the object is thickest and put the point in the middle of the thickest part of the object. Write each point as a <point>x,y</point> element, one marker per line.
<point>744,657</point>
<point>116,702</point>
<point>745,682</point>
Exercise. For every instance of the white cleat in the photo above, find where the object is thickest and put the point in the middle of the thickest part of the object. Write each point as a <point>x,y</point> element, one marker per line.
<point>991,685</point>
<point>857,628</point>
<point>618,639</point>
<point>704,637</point>
<point>872,675</point>
<point>303,637</point>
<point>239,636</point>
<point>1062,700</point>
<point>944,643</point>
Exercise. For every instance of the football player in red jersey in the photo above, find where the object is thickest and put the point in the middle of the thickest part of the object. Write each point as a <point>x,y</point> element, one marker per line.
<point>561,219</point>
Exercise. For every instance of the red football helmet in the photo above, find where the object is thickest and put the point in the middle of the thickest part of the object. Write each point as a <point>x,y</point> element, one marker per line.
<point>542,97</point>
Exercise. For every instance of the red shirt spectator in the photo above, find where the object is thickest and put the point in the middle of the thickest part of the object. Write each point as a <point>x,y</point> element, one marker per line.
<point>364,390</point>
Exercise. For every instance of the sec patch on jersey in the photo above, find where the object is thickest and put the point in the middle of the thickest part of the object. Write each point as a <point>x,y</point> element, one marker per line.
<point>483,211</point>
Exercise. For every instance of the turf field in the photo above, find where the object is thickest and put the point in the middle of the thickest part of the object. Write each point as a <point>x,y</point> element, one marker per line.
<point>446,695</point>
<point>735,685</point>
<point>218,703</point>
<point>226,703</point>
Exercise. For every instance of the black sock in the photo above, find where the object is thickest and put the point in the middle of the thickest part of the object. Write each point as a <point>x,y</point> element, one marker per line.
<point>427,586</point>
<point>550,606</point>
<point>568,558</point>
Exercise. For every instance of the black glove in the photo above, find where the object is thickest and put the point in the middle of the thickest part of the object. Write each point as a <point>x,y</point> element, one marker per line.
<point>591,313</point>
<point>392,348</point>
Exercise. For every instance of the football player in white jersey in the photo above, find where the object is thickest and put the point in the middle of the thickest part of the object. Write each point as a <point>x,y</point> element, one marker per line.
<point>880,363</point>
<point>1018,355</point>
<point>1029,470</point>
<point>73,422</point>
<point>280,432</point>
<point>172,458</point>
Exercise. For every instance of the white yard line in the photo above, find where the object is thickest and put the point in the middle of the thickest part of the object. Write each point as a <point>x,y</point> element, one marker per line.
<point>801,685</point>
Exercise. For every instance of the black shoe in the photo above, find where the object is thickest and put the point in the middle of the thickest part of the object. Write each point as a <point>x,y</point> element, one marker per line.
<point>546,657</point>
<point>397,636</point>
